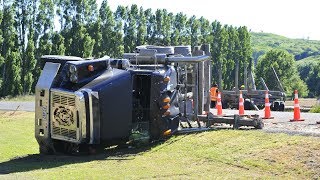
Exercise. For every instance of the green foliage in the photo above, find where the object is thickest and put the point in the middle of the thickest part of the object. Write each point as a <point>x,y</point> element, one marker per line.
<point>58,47</point>
<point>315,109</point>
<point>30,65</point>
<point>283,63</point>
<point>130,29</point>
<point>10,69</point>
<point>142,28</point>
<point>304,51</point>
<point>300,48</point>
<point>309,70</point>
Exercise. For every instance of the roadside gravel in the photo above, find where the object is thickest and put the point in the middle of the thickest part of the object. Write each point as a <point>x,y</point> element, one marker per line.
<point>281,122</point>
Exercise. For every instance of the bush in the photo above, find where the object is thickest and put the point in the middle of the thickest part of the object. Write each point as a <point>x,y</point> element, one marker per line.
<point>315,109</point>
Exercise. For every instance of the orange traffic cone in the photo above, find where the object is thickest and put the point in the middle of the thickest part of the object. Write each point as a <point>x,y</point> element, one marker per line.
<point>296,109</point>
<point>219,105</point>
<point>267,111</point>
<point>241,104</point>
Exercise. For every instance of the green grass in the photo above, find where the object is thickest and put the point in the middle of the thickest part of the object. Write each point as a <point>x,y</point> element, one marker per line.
<point>23,98</point>
<point>226,154</point>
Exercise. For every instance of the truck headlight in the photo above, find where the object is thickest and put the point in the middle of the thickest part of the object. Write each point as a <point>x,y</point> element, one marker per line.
<point>72,69</point>
<point>74,78</point>
<point>73,73</point>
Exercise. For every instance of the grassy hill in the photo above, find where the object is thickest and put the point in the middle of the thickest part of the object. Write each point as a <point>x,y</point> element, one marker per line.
<point>300,48</point>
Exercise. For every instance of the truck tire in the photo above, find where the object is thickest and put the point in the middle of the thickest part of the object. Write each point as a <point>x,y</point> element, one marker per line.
<point>258,123</point>
<point>225,105</point>
<point>247,105</point>
<point>281,107</point>
<point>45,150</point>
<point>276,105</point>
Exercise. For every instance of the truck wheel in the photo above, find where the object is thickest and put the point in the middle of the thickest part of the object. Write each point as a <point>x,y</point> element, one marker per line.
<point>65,147</point>
<point>225,105</point>
<point>45,150</point>
<point>247,105</point>
<point>276,106</point>
<point>258,124</point>
<point>281,107</point>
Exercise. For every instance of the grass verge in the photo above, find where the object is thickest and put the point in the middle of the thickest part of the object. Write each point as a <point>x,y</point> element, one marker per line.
<point>19,98</point>
<point>226,154</point>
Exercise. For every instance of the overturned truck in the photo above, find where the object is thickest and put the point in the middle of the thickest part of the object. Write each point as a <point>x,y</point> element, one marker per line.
<point>149,94</point>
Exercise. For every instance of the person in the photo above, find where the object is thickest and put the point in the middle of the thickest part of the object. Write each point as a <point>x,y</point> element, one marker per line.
<point>242,87</point>
<point>213,95</point>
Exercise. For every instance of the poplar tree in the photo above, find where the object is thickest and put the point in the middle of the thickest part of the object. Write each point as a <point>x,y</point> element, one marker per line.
<point>194,30</point>
<point>107,30</point>
<point>58,47</point>
<point>10,70</point>
<point>30,66</point>
<point>1,42</point>
<point>118,31</point>
<point>130,29</point>
<point>142,28</point>
<point>167,20</point>
<point>205,29</point>
<point>24,18</point>
<point>180,25</point>
<point>151,26</point>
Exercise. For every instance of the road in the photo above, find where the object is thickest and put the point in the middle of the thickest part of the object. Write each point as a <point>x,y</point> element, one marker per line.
<point>280,123</point>
<point>20,106</point>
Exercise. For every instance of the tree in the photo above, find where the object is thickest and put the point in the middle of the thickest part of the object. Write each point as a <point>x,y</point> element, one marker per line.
<point>166,27</point>
<point>10,69</point>
<point>205,28</point>
<point>30,66</point>
<point>107,30</point>
<point>232,55</point>
<point>195,31</point>
<point>218,52</point>
<point>120,15</point>
<point>1,40</point>
<point>284,65</point>
<point>180,25</point>
<point>58,44</point>
<point>245,51</point>
<point>44,21</point>
<point>310,73</point>
<point>24,17</point>
<point>151,26</point>
<point>130,29</point>
<point>142,28</point>
<point>82,43</point>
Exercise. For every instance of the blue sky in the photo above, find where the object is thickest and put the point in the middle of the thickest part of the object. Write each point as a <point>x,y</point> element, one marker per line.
<point>290,18</point>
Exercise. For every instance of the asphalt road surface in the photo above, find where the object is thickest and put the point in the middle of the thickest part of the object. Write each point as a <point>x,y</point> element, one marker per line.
<point>20,106</point>
<point>280,123</point>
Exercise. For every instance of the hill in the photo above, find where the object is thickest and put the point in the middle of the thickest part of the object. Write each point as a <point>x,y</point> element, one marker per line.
<point>300,48</point>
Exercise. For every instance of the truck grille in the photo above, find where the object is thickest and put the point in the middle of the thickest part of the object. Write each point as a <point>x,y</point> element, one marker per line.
<point>63,100</point>
<point>63,115</point>
<point>64,132</point>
